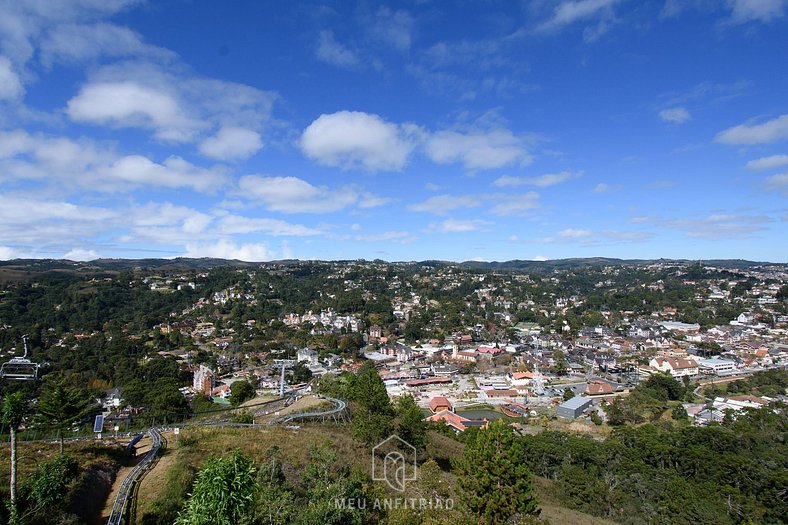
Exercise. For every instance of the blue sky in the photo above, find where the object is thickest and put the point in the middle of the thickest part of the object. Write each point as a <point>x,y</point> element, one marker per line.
<point>490,130</point>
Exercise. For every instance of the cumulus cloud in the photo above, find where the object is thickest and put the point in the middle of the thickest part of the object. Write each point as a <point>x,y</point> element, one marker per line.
<point>515,204</point>
<point>743,11</point>
<point>353,139</point>
<point>294,195</point>
<point>745,134</point>
<point>331,51</point>
<point>174,172</point>
<point>441,204</point>
<point>458,226</point>
<point>392,27</point>
<point>226,249</point>
<point>177,106</point>
<point>235,224</point>
<point>82,42</point>
<point>720,226</point>
<point>129,104</point>
<point>574,233</point>
<point>495,148</point>
<point>767,163</point>
<point>568,12</point>
<point>593,237</point>
<point>677,115</point>
<point>778,182</point>
<point>93,166</point>
<point>232,143</point>
<point>42,222</point>
<point>80,254</point>
<point>10,85</point>
<point>542,181</point>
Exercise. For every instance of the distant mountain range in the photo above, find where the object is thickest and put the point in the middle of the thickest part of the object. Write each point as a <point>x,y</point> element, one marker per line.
<point>181,263</point>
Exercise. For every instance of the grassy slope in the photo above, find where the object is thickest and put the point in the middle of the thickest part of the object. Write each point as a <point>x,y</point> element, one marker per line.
<point>168,482</point>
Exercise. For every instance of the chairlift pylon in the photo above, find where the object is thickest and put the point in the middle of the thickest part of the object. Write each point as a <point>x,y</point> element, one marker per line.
<point>20,368</point>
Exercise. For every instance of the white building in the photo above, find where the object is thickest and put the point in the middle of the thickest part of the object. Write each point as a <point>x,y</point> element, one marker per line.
<point>676,366</point>
<point>716,366</point>
<point>308,356</point>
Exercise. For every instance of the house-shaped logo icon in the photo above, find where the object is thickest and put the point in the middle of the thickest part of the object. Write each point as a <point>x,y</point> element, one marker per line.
<point>394,461</point>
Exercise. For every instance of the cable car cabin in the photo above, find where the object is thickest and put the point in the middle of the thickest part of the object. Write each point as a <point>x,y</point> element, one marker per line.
<point>20,369</point>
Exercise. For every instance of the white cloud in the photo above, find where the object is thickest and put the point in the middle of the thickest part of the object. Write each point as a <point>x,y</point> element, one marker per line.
<point>767,163</point>
<point>778,182</point>
<point>442,204</point>
<point>370,200</point>
<point>569,12</point>
<point>42,222</point>
<point>225,249</point>
<point>677,115</point>
<point>82,42</point>
<point>235,224</point>
<point>771,131</point>
<point>174,172</point>
<point>333,52</point>
<point>10,85</point>
<point>92,166</point>
<point>478,149</point>
<point>232,143</point>
<point>720,226</point>
<point>601,188</point>
<point>542,181</point>
<point>399,237</point>
<point>393,28</point>
<point>23,24</point>
<point>294,195</point>
<point>353,139</point>
<point>458,226</point>
<point>540,258</point>
<point>515,204</point>
<point>129,104</point>
<point>755,10</point>
<point>574,233</point>
<point>177,106</point>
<point>7,253</point>
<point>591,237</point>
<point>80,254</point>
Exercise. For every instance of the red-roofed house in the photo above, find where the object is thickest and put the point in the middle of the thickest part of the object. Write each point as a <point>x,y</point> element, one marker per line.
<point>458,423</point>
<point>440,403</point>
<point>598,388</point>
<point>676,366</point>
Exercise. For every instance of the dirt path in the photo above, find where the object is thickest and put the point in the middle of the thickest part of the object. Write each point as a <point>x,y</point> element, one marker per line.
<point>142,448</point>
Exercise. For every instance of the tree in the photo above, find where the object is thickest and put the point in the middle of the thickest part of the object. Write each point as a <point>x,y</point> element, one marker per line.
<point>679,413</point>
<point>410,423</point>
<point>373,414</point>
<point>223,492</point>
<point>494,482</point>
<point>61,405</point>
<point>241,391</point>
<point>14,411</point>
<point>48,483</point>
<point>561,365</point>
<point>568,394</point>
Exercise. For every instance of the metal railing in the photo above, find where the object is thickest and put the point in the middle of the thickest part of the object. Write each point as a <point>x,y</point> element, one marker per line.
<point>127,487</point>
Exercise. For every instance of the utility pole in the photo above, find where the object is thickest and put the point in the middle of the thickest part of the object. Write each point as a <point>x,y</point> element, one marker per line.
<point>284,364</point>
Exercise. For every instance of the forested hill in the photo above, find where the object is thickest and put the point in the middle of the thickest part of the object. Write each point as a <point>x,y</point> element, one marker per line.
<point>17,268</point>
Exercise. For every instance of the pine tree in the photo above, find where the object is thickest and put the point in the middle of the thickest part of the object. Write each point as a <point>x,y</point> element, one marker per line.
<point>410,423</point>
<point>61,405</point>
<point>494,481</point>
<point>373,412</point>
